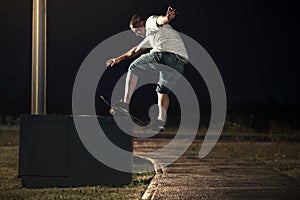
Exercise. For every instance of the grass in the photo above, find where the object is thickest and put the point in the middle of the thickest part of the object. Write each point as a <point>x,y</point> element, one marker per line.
<point>10,184</point>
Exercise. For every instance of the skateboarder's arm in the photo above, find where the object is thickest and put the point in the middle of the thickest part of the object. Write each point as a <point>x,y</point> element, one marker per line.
<point>164,19</point>
<point>129,54</point>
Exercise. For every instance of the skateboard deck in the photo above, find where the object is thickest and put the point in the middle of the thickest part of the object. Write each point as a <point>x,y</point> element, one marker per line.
<point>113,110</point>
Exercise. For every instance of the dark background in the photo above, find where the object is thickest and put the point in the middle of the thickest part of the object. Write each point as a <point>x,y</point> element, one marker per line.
<point>253,43</point>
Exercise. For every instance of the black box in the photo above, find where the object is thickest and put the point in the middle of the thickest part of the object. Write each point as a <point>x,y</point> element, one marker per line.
<point>51,153</point>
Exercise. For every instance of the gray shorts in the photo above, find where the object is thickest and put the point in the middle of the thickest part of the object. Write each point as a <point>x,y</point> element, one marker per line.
<point>159,61</point>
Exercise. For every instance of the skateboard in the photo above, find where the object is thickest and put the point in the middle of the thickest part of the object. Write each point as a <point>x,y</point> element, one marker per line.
<point>113,110</point>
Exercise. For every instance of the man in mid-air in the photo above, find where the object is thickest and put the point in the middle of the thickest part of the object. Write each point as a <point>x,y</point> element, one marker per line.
<point>167,48</point>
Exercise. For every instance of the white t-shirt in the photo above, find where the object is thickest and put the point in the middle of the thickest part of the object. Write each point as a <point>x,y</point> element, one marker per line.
<point>162,38</point>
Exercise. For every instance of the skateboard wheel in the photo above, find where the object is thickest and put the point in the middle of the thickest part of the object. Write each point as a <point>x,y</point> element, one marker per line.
<point>112,111</point>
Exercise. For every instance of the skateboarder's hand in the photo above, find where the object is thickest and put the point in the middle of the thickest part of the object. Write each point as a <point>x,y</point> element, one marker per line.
<point>112,62</point>
<point>171,13</point>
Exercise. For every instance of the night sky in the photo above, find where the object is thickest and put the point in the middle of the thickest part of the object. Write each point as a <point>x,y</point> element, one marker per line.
<point>253,43</point>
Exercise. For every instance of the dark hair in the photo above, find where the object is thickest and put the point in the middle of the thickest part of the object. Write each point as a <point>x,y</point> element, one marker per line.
<point>136,20</point>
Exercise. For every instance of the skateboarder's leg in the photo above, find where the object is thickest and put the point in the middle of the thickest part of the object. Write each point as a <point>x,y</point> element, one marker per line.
<point>136,68</point>
<point>131,81</point>
<point>167,80</point>
<point>163,105</point>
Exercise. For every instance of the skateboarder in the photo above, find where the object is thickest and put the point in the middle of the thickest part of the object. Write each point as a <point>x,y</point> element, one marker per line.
<point>167,48</point>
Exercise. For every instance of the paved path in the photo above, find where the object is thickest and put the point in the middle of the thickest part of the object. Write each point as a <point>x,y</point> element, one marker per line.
<point>214,178</point>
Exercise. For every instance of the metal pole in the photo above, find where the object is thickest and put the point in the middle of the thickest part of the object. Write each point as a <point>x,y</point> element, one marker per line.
<point>38,79</point>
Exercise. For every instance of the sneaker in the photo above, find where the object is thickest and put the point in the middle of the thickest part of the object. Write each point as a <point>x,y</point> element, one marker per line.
<point>158,125</point>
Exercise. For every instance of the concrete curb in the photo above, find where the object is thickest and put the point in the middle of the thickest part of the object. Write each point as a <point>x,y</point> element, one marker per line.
<point>152,187</point>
